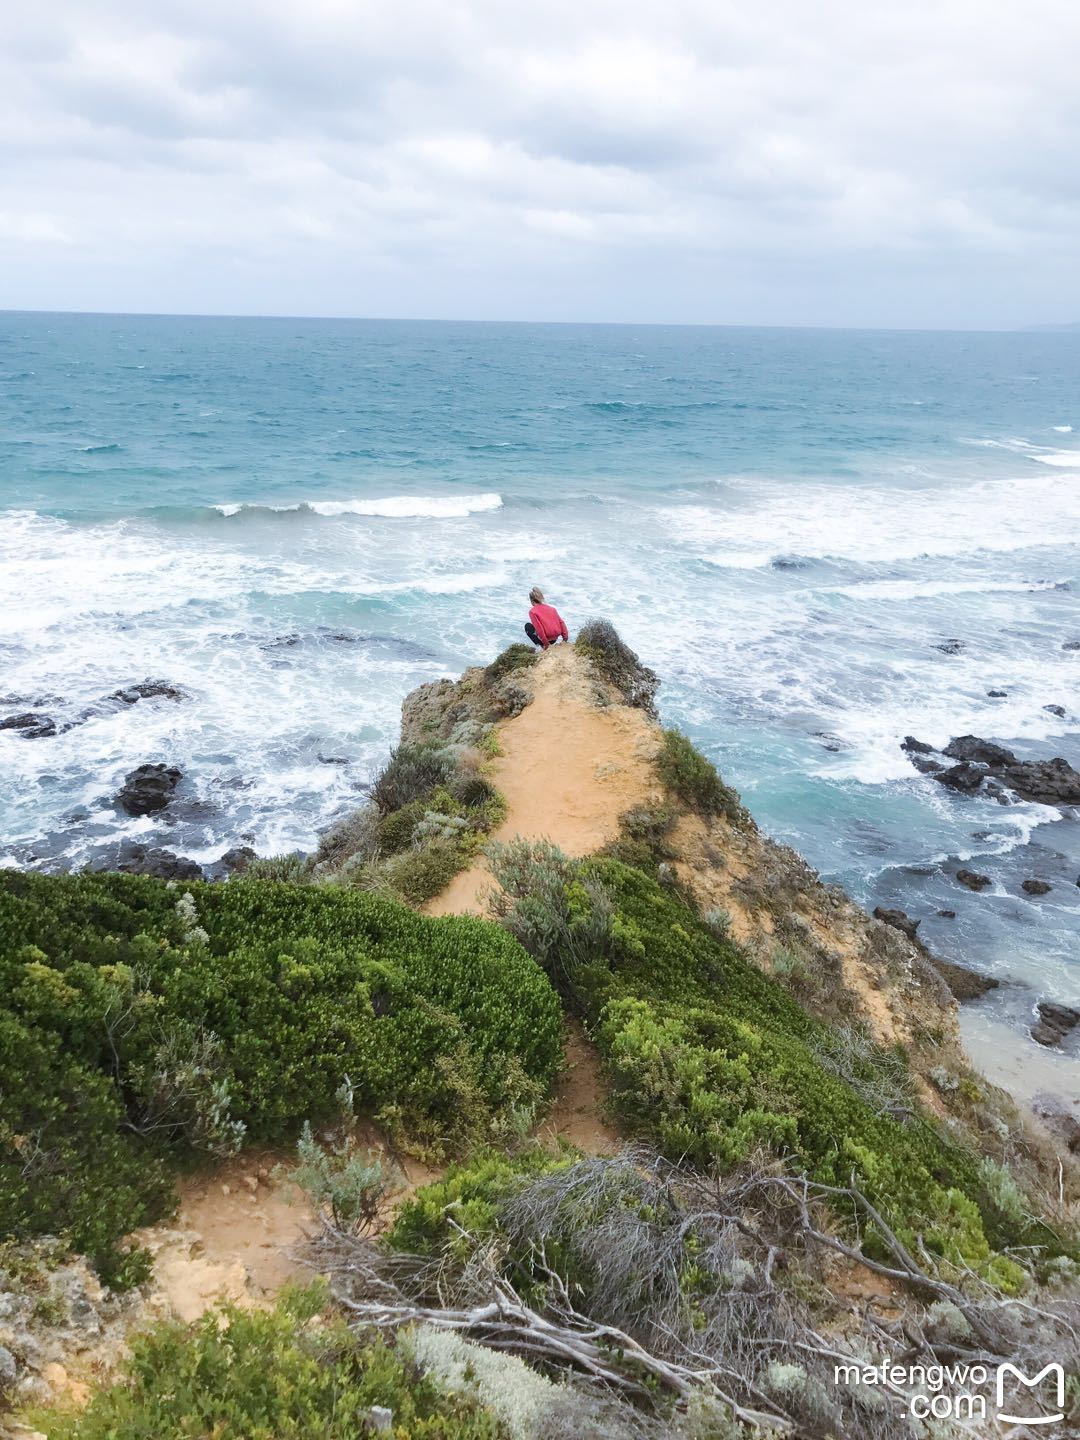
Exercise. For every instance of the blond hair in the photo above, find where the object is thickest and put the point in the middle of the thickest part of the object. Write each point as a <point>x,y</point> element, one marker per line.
<point>536,595</point>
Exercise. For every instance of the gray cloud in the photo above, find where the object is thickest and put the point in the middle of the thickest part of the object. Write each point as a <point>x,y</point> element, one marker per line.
<point>843,163</point>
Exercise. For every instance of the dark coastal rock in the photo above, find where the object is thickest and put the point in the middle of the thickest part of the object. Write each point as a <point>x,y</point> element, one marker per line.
<point>163,863</point>
<point>926,766</point>
<point>964,984</point>
<point>1054,1022</point>
<point>1037,887</point>
<point>1070,645</point>
<point>830,742</point>
<point>947,914</point>
<point>898,919</point>
<point>148,788</point>
<point>965,776</point>
<point>973,880</point>
<point>233,862</point>
<point>31,725</point>
<point>951,646</point>
<point>980,752</point>
<point>194,812</point>
<point>1059,1119</point>
<point>131,858</point>
<point>1050,782</point>
<point>1058,710</point>
<point>147,690</point>
<point>916,747</point>
<point>997,694</point>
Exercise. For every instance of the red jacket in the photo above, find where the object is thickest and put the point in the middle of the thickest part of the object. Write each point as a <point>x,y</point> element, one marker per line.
<point>548,624</point>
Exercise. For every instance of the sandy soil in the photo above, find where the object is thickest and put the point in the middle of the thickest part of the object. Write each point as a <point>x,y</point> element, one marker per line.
<point>239,1232</point>
<point>568,769</point>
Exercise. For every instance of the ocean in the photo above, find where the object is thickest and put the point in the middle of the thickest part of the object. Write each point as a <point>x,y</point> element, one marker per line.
<point>295,522</point>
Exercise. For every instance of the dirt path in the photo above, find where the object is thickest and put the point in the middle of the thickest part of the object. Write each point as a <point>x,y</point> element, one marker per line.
<point>568,768</point>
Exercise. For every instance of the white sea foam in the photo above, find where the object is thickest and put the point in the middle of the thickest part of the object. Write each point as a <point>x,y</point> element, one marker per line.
<point>1062,429</point>
<point>871,524</point>
<point>1067,459</point>
<point>389,507</point>
<point>933,589</point>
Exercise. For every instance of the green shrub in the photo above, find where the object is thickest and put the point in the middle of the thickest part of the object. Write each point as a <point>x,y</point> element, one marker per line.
<point>514,657</point>
<point>396,829</point>
<point>686,772</point>
<point>419,875</point>
<point>411,773</point>
<point>466,1199</point>
<point>292,1373</point>
<point>292,869</point>
<point>354,837</point>
<point>344,1186</point>
<point>711,1058</point>
<point>599,642</point>
<point>287,989</point>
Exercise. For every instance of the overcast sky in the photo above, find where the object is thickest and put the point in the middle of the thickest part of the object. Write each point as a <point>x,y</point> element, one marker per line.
<point>841,162</point>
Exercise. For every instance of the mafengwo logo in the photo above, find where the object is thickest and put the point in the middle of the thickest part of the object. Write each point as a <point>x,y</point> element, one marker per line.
<point>1012,1386</point>
<point>968,1393</point>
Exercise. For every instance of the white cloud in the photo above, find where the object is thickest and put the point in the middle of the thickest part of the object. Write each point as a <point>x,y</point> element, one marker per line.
<point>704,159</point>
<point>32,229</point>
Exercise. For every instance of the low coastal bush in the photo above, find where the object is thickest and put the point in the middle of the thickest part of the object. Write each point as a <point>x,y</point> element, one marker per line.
<point>431,807</point>
<point>695,780</point>
<point>712,1059</point>
<point>294,1371</point>
<point>411,773</point>
<point>615,662</point>
<point>514,657</point>
<point>138,1022</point>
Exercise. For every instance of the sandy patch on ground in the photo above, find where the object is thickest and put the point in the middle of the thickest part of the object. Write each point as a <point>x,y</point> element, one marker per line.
<point>240,1231</point>
<point>569,767</point>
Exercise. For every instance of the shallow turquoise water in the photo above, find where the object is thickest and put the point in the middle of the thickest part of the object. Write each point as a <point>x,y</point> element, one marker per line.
<point>784,523</point>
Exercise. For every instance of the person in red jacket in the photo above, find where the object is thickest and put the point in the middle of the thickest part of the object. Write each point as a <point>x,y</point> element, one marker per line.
<point>545,625</point>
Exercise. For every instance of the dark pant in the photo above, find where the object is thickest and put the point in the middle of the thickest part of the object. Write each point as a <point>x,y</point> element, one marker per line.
<point>530,631</point>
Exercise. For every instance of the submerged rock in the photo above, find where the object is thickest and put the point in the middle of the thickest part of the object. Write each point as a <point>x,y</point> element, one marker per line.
<point>1037,887</point>
<point>965,776</point>
<point>952,646</point>
<point>997,694</point>
<point>32,725</point>
<point>1058,710</point>
<point>148,788</point>
<point>973,880</point>
<point>147,690</point>
<point>1070,644</point>
<point>163,863</point>
<point>980,752</point>
<point>1050,782</point>
<point>916,747</point>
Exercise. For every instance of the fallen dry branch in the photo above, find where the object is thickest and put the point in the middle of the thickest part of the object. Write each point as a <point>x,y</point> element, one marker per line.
<point>618,1310</point>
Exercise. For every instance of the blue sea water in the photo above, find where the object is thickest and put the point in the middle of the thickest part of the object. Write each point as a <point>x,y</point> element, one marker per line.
<point>297,521</point>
